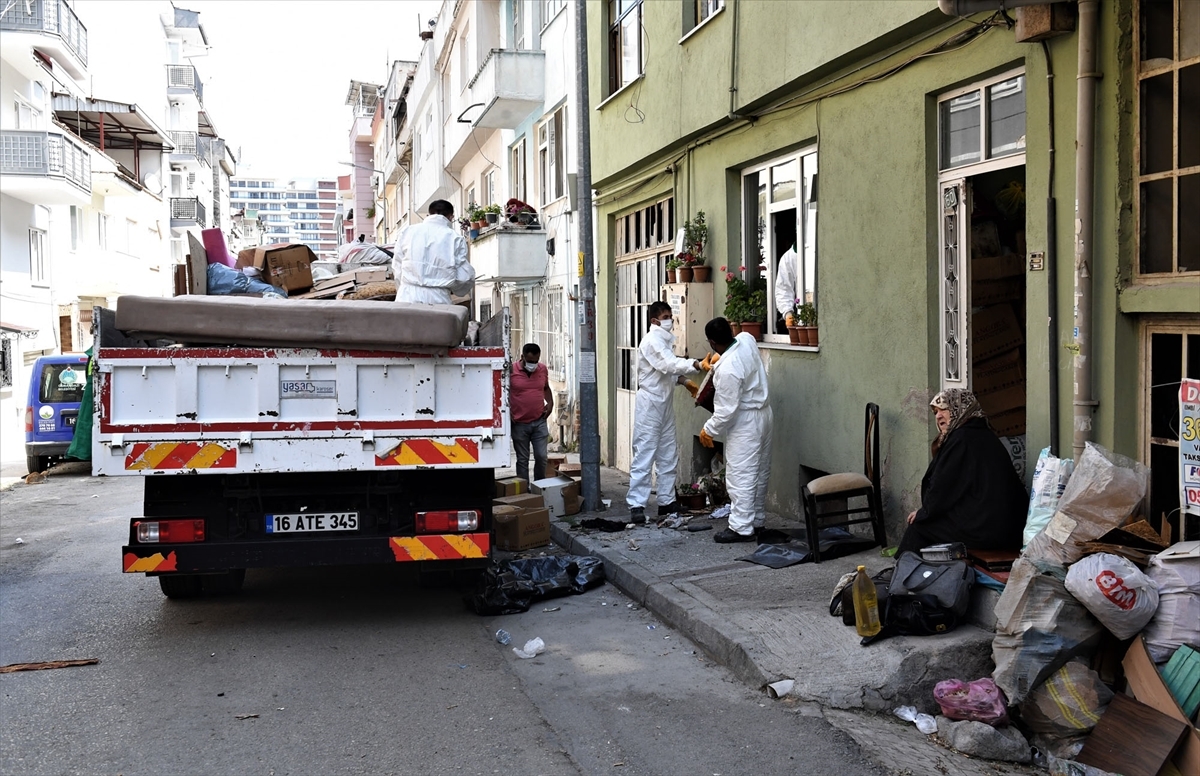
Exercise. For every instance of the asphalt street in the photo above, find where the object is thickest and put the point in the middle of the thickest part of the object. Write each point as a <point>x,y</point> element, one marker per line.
<point>349,670</point>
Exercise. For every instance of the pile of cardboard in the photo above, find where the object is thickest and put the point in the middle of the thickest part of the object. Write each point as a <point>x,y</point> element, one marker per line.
<point>345,283</point>
<point>521,512</point>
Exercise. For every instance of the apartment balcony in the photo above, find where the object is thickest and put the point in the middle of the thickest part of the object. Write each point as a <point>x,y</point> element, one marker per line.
<point>187,211</point>
<point>509,254</point>
<point>186,144</point>
<point>45,168</point>
<point>183,79</point>
<point>511,85</point>
<point>51,27</point>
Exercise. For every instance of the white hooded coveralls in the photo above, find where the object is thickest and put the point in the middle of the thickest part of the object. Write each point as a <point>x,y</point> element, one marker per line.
<point>431,262</point>
<point>654,418</point>
<point>742,417</point>
<point>785,284</point>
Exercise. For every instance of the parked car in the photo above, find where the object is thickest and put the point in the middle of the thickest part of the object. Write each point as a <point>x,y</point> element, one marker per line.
<point>55,389</point>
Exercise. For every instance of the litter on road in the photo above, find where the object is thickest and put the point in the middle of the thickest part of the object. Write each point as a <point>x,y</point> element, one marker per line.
<point>14,667</point>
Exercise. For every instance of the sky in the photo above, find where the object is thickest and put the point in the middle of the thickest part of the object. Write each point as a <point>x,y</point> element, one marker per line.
<point>277,73</point>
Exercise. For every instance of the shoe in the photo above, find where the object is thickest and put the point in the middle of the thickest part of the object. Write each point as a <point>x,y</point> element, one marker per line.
<point>637,515</point>
<point>726,536</point>
<point>667,509</point>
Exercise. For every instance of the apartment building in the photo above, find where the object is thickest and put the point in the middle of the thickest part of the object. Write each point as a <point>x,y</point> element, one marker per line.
<point>299,210</point>
<point>393,157</point>
<point>360,213</point>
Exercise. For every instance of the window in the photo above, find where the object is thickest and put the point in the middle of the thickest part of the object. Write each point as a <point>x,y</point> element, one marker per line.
<point>6,363</point>
<point>518,21</point>
<point>779,213</point>
<point>28,115</point>
<point>517,167</point>
<point>1168,158</point>
<point>471,201</point>
<point>485,312</point>
<point>1170,352</point>
<point>983,122</point>
<point>517,331</point>
<point>126,245</point>
<point>464,58</point>
<point>644,241</point>
<point>76,227</point>
<point>37,257</point>
<point>489,187</point>
<point>102,231</point>
<point>624,42</point>
<point>550,9</point>
<point>550,333</point>
<point>552,176</point>
<point>696,12</point>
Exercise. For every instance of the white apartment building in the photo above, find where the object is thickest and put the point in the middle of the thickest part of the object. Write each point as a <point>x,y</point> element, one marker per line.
<point>486,118</point>
<point>393,157</point>
<point>299,211</point>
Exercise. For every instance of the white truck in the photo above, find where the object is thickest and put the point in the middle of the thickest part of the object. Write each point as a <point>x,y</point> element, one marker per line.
<point>256,456</point>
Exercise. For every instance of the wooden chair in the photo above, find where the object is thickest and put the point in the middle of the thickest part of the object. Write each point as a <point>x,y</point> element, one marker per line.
<point>847,485</point>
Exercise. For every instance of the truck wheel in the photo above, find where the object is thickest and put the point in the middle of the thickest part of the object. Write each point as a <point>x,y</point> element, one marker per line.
<point>35,463</point>
<point>180,585</point>
<point>224,584</point>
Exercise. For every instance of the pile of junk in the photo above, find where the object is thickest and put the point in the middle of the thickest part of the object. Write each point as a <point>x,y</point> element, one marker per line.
<point>1097,645</point>
<point>285,270</point>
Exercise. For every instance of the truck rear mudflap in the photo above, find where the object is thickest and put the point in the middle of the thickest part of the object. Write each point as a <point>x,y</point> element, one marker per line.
<point>460,550</point>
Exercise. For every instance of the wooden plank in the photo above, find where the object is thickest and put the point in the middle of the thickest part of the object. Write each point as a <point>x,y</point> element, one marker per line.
<point>197,266</point>
<point>1132,739</point>
<point>1148,687</point>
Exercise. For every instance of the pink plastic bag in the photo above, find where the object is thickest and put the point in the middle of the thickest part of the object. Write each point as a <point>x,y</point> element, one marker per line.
<point>980,700</point>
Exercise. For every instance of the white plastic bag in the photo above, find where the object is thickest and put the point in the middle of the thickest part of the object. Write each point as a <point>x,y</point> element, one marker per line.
<point>533,648</point>
<point>1049,480</point>
<point>1120,596</point>
<point>1176,574</point>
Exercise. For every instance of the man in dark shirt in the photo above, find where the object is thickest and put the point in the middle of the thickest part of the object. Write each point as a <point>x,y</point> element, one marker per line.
<point>531,402</point>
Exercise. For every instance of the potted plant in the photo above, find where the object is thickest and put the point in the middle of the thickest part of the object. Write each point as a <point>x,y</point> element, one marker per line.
<point>684,269</point>
<point>673,265</point>
<point>695,239</point>
<point>491,214</point>
<point>755,312</point>
<point>736,294</point>
<point>797,334</point>
<point>690,496</point>
<point>807,314</point>
<point>478,221</point>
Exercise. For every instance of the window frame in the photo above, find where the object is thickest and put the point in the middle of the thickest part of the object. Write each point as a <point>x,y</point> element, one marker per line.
<point>617,79</point>
<point>548,332</point>
<point>38,275</point>
<point>643,236</point>
<point>550,11</point>
<point>518,181</point>
<point>552,156</point>
<point>806,233</point>
<point>987,160</point>
<point>1141,76</point>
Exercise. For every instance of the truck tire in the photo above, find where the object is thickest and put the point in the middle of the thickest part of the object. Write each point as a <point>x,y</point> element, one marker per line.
<point>180,585</point>
<point>227,583</point>
<point>35,463</point>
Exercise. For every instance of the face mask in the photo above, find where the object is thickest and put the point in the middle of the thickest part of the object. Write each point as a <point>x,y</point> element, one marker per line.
<point>666,324</point>
<point>528,366</point>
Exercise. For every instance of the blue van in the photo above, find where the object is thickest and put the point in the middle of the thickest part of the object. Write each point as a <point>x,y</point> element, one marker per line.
<point>55,390</point>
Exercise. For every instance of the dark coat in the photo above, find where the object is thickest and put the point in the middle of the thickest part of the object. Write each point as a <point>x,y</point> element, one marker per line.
<point>971,494</point>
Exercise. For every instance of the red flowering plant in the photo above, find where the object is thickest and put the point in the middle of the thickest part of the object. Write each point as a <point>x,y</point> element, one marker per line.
<point>695,238</point>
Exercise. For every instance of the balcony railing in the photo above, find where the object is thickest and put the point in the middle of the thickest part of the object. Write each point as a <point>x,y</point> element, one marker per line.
<point>53,17</point>
<point>187,209</point>
<point>185,77</point>
<point>50,154</point>
<point>185,142</point>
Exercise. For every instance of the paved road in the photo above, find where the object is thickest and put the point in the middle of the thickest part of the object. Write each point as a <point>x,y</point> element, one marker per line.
<point>350,670</point>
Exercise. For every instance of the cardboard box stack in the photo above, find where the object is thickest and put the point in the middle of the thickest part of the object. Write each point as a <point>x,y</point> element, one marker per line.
<point>283,265</point>
<point>520,520</point>
<point>561,495</point>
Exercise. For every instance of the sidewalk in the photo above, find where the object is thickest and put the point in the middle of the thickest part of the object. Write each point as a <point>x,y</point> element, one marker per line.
<point>771,624</point>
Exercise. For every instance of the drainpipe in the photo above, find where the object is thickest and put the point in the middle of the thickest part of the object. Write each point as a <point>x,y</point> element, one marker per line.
<point>1052,262</point>
<point>733,55</point>
<point>968,7</point>
<point>1085,174</point>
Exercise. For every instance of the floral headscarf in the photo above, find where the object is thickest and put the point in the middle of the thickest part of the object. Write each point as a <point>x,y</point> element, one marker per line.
<point>962,405</point>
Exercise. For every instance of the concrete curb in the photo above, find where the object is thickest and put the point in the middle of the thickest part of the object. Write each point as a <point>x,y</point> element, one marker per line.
<point>724,642</point>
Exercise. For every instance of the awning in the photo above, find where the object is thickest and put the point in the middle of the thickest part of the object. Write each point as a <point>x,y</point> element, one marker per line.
<point>125,126</point>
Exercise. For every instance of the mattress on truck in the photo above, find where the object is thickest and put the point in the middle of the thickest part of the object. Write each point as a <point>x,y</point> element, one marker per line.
<point>341,324</point>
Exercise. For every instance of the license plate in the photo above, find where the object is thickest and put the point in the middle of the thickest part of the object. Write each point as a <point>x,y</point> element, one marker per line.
<point>314,522</point>
<point>68,420</point>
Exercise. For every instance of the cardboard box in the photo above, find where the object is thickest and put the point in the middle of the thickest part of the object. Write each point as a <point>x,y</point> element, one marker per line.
<point>994,330</point>
<point>286,265</point>
<point>521,531</point>
<point>570,470</point>
<point>1009,423</point>
<point>525,501</point>
<point>985,292</point>
<point>511,486</point>
<point>997,267</point>
<point>559,493</point>
<point>999,402</point>
<point>1147,686</point>
<point>996,374</point>
<point>553,462</point>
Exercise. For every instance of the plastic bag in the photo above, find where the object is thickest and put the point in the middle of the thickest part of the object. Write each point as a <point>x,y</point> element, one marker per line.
<point>532,649</point>
<point>1115,591</point>
<point>223,281</point>
<point>1068,704</point>
<point>1050,478</point>
<point>979,700</point>
<point>511,586</point>
<point>1104,490</point>
<point>363,253</point>
<point>1177,620</point>
<point>1039,627</point>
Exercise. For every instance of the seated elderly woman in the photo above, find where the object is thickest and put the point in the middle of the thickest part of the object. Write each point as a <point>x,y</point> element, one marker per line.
<point>970,493</point>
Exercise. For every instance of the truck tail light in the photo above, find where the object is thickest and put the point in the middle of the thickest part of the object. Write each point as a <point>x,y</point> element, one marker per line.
<point>447,521</point>
<point>170,531</point>
<point>29,420</point>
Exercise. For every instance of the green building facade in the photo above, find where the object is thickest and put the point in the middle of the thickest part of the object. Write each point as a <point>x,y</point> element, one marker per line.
<point>923,166</point>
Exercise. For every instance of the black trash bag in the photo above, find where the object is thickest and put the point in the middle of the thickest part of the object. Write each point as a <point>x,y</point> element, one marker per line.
<point>511,586</point>
<point>835,543</point>
<point>602,524</point>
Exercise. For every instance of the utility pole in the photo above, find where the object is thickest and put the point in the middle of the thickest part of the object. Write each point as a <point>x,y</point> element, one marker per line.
<point>589,402</point>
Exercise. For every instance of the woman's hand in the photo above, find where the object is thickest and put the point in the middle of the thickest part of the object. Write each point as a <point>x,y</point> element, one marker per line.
<point>912,516</point>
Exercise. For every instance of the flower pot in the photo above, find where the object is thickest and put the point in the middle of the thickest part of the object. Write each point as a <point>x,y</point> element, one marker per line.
<point>671,275</point>
<point>524,218</point>
<point>813,339</point>
<point>695,501</point>
<point>795,335</point>
<point>426,34</point>
<point>753,328</point>
<point>700,273</point>
<point>684,274</point>
<point>493,218</point>
<point>737,328</point>
<point>473,233</point>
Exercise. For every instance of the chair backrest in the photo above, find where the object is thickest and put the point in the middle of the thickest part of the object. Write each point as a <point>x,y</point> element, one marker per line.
<point>871,445</point>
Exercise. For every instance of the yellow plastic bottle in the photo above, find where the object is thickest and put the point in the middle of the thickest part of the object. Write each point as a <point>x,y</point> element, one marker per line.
<point>866,604</point>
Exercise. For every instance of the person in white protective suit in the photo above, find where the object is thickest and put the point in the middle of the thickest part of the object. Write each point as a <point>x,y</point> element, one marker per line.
<point>785,286</point>
<point>658,371</point>
<point>430,261</point>
<point>742,417</point>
